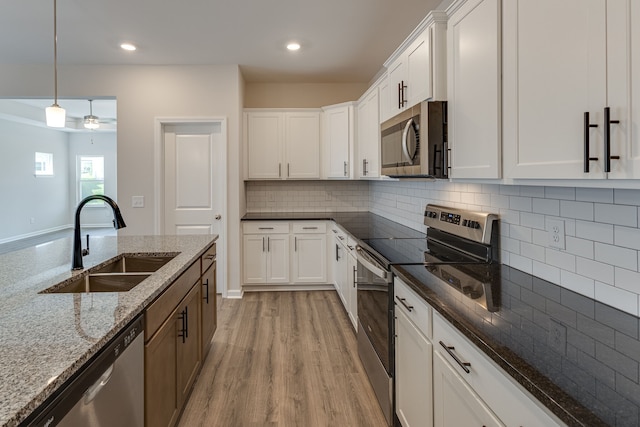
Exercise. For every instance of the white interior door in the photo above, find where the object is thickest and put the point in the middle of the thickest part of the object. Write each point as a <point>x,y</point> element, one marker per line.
<point>195,183</point>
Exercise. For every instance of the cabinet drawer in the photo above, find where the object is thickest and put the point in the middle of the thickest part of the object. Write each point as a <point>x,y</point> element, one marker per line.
<point>208,259</point>
<point>164,305</point>
<point>309,227</point>
<point>266,227</point>
<point>413,306</point>
<point>510,402</point>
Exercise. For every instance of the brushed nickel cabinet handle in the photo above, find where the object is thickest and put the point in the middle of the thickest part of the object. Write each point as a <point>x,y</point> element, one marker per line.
<point>450,349</point>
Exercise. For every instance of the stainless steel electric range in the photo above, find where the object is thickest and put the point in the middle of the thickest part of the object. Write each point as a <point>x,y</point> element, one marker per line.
<point>458,248</point>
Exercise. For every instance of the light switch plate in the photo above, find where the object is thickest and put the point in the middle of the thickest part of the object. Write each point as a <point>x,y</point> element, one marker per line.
<point>555,231</point>
<point>137,201</point>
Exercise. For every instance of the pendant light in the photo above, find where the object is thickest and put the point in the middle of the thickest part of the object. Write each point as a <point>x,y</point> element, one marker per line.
<point>55,114</point>
<point>91,121</point>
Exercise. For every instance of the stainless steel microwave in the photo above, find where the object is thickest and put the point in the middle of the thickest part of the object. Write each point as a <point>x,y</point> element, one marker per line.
<point>414,143</point>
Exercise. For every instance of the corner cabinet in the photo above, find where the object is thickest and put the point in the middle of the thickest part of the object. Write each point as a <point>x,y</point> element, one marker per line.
<point>474,88</point>
<point>558,83</point>
<point>338,140</point>
<point>282,144</point>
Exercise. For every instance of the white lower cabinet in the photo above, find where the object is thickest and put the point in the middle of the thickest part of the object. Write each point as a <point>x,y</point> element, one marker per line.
<point>284,253</point>
<point>413,374</point>
<point>352,290</point>
<point>344,273</point>
<point>442,379</point>
<point>309,256</point>
<point>455,403</point>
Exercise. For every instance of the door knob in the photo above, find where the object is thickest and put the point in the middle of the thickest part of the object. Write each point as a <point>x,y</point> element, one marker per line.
<point>218,217</point>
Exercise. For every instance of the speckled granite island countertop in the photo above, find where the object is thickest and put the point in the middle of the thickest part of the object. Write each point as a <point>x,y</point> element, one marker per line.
<point>46,338</point>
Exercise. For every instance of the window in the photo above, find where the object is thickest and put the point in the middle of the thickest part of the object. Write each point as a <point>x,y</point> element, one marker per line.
<point>44,164</point>
<point>91,178</point>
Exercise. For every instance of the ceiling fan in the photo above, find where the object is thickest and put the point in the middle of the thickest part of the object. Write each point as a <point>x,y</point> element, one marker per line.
<point>93,122</point>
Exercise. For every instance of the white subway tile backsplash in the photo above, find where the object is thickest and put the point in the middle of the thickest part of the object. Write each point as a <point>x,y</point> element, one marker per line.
<point>532,220</point>
<point>627,279</point>
<point>535,252</point>
<point>595,270</point>
<point>521,263</point>
<point>617,214</point>
<point>578,210</point>
<point>546,206</point>
<point>520,233</point>
<point>560,259</point>
<point>626,237</point>
<point>623,196</point>
<point>546,271</point>
<point>500,201</point>
<point>579,247</point>
<point>595,231</point>
<point>619,298</point>
<point>531,191</point>
<point>563,193</point>
<point>522,204</point>
<point>615,255</point>
<point>577,283</point>
<point>598,195</point>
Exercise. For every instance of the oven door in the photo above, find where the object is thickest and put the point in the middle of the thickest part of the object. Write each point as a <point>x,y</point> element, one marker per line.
<point>375,327</point>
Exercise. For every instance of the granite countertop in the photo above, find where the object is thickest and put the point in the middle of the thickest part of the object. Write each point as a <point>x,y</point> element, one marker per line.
<point>589,377</point>
<point>46,338</point>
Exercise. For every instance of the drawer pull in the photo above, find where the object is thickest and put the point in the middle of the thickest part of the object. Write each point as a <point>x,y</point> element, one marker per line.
<point>309,228</point>
<point>265,228</point>
<point>402,301</point>
<point>450,349</point>
<point>206,293</point>
<point>209,257</point>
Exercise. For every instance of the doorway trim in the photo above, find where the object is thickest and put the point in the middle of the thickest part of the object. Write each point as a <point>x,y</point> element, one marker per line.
<point>158,178</point>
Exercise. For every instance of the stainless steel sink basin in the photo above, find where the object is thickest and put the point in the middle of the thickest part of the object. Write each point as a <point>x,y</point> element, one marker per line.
<point>120,274</point>
<point>104,282</point>
<point>135,264</point>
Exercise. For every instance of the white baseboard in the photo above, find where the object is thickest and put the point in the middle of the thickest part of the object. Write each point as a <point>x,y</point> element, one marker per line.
<point>265,288</point>
<point>35,233</point>
<point>235,294</point>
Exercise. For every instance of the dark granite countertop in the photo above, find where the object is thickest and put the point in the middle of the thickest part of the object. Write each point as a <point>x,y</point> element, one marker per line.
<point>589,380</point>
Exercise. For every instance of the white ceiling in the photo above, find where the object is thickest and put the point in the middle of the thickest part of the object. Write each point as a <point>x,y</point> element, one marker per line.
<point>342,40</point>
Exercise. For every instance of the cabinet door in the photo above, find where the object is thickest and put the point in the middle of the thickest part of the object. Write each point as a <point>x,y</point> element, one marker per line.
<point>385,110</point>
<point>264,133</point>
<point>418,69</point>
<point>338,137</point>
<point>254,250</point>
<point>455,403</point>
<point>474,90</point>
<point>188,343</point>
<point>277,258</point>
<point>160,374</point>
<point>414,355</point>
<point>302,145</point>
<point>368,165</point>
<point>397,77</point>
<point>352,269</point>
<point>209,313</point>
<point>551,78</point>
<point>623,86</point>
<point>309,258</point>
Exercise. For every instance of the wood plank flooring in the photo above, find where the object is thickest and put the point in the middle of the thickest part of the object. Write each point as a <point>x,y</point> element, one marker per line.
<point>283,359</point>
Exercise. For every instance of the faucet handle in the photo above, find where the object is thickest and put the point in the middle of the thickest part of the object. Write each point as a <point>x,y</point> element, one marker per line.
<point>85,252</point>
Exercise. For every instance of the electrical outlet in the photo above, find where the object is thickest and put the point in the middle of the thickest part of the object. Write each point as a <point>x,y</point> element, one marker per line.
<point>271,197</point>
<point>327,196</point>
<point>558,336</point>
<point>32,220</point>
<point>137,201</point>
<point>555,232</point>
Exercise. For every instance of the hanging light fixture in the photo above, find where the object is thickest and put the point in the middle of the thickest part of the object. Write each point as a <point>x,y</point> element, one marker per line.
<point>55,114</point>
<point>91,121</point>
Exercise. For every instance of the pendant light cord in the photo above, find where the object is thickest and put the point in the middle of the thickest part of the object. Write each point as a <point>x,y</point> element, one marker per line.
<point>55,53</point>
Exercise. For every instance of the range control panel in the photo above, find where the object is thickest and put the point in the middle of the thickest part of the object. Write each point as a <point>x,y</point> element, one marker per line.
<point>472,225</point>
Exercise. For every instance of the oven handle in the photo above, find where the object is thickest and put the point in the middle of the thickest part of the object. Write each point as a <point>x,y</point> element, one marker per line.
<point>371,264</point>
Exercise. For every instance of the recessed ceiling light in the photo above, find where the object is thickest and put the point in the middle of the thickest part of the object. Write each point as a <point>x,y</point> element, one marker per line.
<point>293,46</point>
<point>128,46</point>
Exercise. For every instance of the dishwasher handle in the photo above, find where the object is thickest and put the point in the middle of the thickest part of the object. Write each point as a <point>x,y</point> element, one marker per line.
<point>97,387</point>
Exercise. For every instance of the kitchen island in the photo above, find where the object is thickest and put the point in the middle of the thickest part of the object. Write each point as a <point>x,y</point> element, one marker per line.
<point>46,338</point>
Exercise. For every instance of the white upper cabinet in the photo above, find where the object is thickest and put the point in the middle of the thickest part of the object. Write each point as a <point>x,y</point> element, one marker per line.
<point>474,89</point>
<point>559,82</point>
<point>282,144</point>
<point>368,135</point>
<point>338,140</point>
<point>412,76</point>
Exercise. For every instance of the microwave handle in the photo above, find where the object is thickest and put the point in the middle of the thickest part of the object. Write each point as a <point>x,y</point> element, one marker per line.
<point>405,145</point>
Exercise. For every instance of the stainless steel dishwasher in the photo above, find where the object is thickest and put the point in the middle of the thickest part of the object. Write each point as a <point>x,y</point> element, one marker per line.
<point>109,391</point>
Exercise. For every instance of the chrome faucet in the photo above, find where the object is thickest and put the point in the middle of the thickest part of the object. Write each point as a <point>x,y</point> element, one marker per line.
<point>118,223</point>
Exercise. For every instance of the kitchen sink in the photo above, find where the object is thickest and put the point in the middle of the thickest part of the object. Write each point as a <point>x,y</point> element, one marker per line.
<point>101,282</point>
<point>120,274</point>
<point>135,264</point>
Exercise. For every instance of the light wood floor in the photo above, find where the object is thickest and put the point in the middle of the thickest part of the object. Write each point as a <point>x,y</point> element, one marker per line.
<point>283,359</point>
